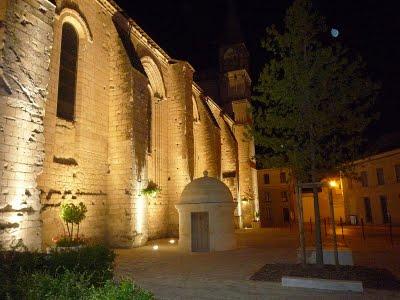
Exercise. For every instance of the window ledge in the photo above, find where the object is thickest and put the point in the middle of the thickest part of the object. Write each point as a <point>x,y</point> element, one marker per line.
<point>60,122</point>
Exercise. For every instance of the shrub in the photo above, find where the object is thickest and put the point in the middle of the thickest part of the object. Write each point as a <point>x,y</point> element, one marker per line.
<point>70,285</point>
<point>66,241</point>
<point>96,260</point>
<point>67,285</point>
<point>12,265</point>
<point>123,290</point>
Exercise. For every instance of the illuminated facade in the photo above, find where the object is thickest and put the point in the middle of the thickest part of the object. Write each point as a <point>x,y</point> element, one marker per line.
<point>371,194</point>
<point>375,193</point>
<point>276,197</point>
<point>92,109</point>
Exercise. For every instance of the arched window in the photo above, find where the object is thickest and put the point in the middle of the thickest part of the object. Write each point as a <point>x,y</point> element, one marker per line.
<point>196,115</point>
<point>150,120</point>
<point>68,71</point>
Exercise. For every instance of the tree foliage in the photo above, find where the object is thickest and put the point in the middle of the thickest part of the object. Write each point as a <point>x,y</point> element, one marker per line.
<point>313,99</point>
<point>73,214</point>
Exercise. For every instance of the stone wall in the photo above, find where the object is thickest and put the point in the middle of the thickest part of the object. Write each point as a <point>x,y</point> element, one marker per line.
<point>245,175</point>
<point>128,144</point>
<point>228,155</point>
<point>207,141</point>
<point>75,167</point>
<point>158,170</point>
<point>158,150</point>
<point>3,13</point>
<point>180,135</point>
<point>24,79</point>
<point>133,122</point>
<point>246,161</point>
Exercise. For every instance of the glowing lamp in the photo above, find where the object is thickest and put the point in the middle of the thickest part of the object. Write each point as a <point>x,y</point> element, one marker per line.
<point>333,184</point>
<point>172,242</point>
<point>155,247</point>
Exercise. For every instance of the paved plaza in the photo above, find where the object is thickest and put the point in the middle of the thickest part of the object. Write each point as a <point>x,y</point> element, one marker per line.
<point>171,274</point>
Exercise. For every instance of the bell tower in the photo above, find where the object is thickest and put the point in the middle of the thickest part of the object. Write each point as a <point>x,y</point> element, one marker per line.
<point>235,82</point>
<point>235,95</point>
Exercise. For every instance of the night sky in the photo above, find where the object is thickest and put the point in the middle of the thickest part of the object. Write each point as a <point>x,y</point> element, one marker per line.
<point>191,30</point>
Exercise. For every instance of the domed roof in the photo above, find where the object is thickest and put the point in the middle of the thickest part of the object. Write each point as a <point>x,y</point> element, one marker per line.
<point>206,190</point>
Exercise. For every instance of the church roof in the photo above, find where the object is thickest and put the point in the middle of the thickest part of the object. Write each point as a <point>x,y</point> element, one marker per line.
<point>113,8</point>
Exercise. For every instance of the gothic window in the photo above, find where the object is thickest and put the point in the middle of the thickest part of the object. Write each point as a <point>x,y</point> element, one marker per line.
<point>150,121</point>
<point>67,73</point>
<point>196,116</point>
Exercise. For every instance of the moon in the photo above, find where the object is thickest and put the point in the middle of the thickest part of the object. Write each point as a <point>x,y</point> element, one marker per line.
<point>334,32</point>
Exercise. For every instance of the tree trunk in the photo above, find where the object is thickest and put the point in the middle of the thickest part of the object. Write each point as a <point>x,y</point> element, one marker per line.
<point>332,216</point>
<point>69,233</point>
<point>318,239</point>
<point>301,224</point>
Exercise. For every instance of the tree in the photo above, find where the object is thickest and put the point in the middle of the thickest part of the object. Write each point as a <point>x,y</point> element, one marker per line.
<point>313,101</point>
<point>73,214</point>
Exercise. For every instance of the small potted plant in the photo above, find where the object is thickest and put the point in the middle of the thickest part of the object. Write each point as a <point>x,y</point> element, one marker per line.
<point>151,190</point>
<point>72,215</point>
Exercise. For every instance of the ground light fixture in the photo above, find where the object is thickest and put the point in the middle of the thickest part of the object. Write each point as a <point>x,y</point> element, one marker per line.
<point>172,241</point>
<point>155,247</point>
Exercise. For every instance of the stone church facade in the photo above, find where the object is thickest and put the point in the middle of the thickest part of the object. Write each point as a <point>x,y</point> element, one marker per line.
<point>92,110</point>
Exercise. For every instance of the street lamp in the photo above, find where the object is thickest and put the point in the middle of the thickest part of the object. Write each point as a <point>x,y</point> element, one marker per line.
<point>333,184</point>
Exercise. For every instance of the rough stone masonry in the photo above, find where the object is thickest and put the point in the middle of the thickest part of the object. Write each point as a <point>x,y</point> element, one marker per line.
<point>137,117</point>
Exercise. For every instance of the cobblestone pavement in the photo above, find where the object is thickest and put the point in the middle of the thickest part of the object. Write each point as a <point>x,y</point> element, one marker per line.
<point>171,274</point>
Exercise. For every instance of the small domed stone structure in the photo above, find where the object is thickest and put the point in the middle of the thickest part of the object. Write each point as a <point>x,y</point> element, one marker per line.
<point>206,216</point>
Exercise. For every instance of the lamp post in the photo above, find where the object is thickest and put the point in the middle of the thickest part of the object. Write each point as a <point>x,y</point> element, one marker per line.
<point>333,184</point>
<point>301,223</point>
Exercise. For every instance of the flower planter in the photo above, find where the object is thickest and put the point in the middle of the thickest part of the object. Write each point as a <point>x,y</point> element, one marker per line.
<point>151,190</point>
<point>68,249</point>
